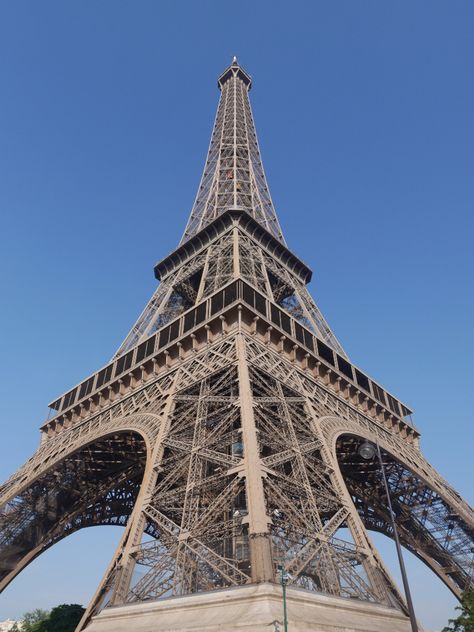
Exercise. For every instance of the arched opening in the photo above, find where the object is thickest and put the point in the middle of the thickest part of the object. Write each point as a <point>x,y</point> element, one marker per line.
<point>95,485</point>
<point>433,601</point>
<point>68,572</point>
<point>427,525</point>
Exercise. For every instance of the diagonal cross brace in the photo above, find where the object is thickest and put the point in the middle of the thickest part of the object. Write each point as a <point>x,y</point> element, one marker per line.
<point>311,548</point>
<point>207,453</point>
<point>227,570</point>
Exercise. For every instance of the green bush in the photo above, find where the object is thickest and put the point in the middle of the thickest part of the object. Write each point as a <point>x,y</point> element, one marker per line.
<point>465,621</point>
<point>63,618</point>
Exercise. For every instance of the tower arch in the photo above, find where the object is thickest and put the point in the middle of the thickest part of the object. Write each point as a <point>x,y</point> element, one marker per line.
<point>432,520</point>
<point>93,480</point>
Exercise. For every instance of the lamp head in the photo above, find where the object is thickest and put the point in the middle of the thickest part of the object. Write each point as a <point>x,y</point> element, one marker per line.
<point>367,450</point>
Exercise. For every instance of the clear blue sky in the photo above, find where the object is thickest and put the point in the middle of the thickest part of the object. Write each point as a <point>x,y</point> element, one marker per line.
<point>365,117</point>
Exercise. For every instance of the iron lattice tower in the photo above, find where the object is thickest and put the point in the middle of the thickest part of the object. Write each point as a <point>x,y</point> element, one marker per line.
<point>223,435</point>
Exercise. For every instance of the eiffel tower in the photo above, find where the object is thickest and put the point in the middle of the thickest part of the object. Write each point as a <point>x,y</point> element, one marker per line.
<point>224,437</point>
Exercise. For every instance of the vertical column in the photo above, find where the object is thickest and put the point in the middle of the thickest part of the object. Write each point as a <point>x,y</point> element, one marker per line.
<point>234,140</point>
<point>235,252</point>
<point>202,284</point>
<point>258,521</point>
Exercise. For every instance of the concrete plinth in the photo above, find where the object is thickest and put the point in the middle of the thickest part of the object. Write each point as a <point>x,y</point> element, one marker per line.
<point>253,608</point>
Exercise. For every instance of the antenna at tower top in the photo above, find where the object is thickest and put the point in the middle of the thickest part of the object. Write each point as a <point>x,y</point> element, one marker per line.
<point>234,60</point>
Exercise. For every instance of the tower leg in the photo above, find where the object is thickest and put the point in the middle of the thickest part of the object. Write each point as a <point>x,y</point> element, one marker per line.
<point>118,577</point>
<point>258,521</point>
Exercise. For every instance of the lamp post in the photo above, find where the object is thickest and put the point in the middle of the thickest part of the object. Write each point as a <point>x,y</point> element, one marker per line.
<point>284,581</point>
<point>367,451</point>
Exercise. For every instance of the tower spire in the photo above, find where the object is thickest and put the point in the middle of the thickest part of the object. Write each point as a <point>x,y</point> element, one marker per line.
<point>233,175</point>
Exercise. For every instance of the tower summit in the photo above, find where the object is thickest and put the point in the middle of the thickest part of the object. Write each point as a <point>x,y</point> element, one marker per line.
<point>225,438</point>
<point>233,175</point>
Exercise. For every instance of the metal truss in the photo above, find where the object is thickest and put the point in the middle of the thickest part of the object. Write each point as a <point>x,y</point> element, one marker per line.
<point>236,484</point>
<point>436,524</point>
<point>171,298</point>
<point>252,264</point>
<point>230,256</point>
<point>219,266</point>
<point>229,462</point>
<point>233,175</point>
<point>228,445</point>
<point>265,272</point>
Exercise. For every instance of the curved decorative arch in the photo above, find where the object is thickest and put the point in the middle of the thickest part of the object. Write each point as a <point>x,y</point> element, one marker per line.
<point>433,521</point>
<point>89,476</point>
<point>63,444</point>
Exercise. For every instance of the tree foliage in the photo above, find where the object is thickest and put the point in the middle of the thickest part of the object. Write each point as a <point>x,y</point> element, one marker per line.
<point>63,618</point>
<point>465,621</point>
<point>30,621</point>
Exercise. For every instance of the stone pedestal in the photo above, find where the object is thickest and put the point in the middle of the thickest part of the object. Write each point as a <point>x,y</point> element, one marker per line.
<point>253,608</point>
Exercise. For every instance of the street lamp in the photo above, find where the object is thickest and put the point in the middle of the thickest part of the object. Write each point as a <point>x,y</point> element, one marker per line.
<point>284,580</point>
<point>284,577</point>
<point>367,451</point>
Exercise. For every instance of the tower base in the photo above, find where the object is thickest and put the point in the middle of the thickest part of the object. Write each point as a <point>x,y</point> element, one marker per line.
<point>253,608</point>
